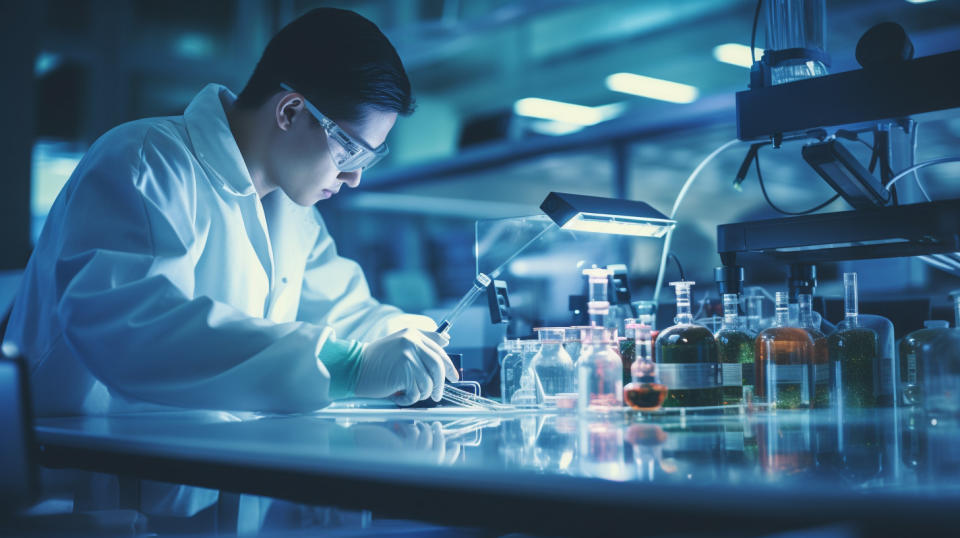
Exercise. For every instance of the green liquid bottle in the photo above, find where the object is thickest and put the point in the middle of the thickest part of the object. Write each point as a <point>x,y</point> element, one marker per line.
<point>783,357</point>
<point>911,374</point>
<point>735,347</point>
<point>854,351</point>
<point>819,370</point>
<point>687,358</point>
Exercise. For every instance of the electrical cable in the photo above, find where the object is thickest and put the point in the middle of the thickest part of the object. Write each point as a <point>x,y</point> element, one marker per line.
<point>753,32</point>
<point>763,189</point>
<point>918,166</point>
<point>676,205</point>
<point>913,160</point>
<point>676,260</point>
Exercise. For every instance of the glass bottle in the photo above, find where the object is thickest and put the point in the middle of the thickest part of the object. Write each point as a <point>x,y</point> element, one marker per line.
<point>687,358</point>
<point>819,370</point>
<point>647,316</point>
<point>910,348</point>
<point>598,304</point>
<point>755,314</point>
<point>940,367</point>
<point>854,351</point>
<point>599,376</point>
<point>552,364</point>
<point>644,392</point>
<point>783,356</point>
<point>735,347</point>
<point>628,347</point>
<point>510,370</point>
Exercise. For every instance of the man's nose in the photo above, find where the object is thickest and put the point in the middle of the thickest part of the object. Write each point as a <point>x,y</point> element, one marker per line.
<point>351,179</point>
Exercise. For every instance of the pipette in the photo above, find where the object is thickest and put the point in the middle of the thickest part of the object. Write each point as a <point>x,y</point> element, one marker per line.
<point>479,284</point>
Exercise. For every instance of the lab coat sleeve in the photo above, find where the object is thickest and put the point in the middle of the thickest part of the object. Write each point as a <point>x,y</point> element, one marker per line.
<point>125,279</point>
<point>335,293</point>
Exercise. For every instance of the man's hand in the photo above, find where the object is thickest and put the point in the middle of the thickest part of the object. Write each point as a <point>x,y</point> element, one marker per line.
<point>408,366</point>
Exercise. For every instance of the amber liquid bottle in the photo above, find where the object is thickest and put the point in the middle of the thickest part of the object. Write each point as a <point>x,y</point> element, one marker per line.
<point>783,357</point>
<point>687,358</point>
<point>819,370</point>
<point>735,347</point>
<point>644,392</point>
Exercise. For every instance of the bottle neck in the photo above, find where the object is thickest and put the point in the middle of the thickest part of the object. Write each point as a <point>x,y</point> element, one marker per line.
<point>731,311</point>
<point>684,314</point>
<point>783,311</point>
<point>956,311</point>
<point>805,309</point>
<point>851,312</point>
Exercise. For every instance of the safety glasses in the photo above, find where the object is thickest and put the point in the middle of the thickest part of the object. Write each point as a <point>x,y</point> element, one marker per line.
<point>347,152</point>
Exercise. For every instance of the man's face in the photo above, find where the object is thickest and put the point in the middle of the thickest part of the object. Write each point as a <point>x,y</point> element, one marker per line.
<point>299,162</point>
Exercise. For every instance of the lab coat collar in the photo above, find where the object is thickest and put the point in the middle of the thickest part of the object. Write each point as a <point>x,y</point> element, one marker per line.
<point>212,140</point>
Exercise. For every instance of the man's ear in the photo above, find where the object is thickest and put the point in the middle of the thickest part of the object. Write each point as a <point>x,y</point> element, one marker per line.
<point>289,109</point>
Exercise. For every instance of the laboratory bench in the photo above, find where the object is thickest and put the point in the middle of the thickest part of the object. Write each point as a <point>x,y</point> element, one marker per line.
<point>740,471</point>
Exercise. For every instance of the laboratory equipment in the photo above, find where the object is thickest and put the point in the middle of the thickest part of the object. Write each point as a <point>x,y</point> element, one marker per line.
<point>819,370</point>
<point>854,350</point>
<point>480,284</point>
<point>530,393</point>
<point>687,357</point>
<point>598,304</point>
<point>552,365</point>
<point>910,348</point>
<point>571,341</point>
<point>940,370</point>
<point>735,347</point>
<point>754,313</point>
<point>599,373</point>
<point>644,392</point>
<point>783,356</point>
<point>511,369</point>
<point>605,215</point>
<point>628,346</point>
<point>796,34</point>
<point>646,312</point>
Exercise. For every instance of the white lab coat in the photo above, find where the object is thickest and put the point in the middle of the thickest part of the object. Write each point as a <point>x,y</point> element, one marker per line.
<point>161,277</point>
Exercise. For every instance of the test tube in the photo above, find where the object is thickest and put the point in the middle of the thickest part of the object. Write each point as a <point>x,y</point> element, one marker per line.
<point>479,284</point>
<point>850,308</point>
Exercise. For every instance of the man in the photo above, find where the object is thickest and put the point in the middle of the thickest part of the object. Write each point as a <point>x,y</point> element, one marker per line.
<point>184,264</point>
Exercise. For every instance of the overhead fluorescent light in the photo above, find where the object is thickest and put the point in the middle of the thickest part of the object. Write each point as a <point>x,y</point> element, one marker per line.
<point>605,215</point>
<point>569,113</point>
<point>736,54</point>
<point>652,88</point>
<point>919,1</point>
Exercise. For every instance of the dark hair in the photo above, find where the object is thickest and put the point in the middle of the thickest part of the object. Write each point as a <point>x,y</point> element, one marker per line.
<point>338,60</point>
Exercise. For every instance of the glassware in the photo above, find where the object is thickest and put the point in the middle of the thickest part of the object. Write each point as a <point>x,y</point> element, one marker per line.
<point>940,367</point>
<point>571,341</point>
<point>687,358</point>
<point>735,347</point>
<point>910,348</point>
<point>628,346</point>
<point>797,25</point>
<point>854,351</point>
<point>552,364</point>
<point>819,370</point>
<point>599,372</point>
<point>755,313</point>
<point>644,392</point>
<point>511,370</point>
<point>529,391</point>
<point>598,303</point>
<point>783,356</point>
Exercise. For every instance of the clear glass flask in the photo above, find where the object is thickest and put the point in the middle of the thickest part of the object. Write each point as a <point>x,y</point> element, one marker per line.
<point>819,370</point>
<point>552,364</point>
<point>940,364</point>
<point>854,352</point>
<point>599,372</point>
<point>510,370</point>
<point>783,356</point>
<point>736,347</point>
<point>910,348</point>
<point>687,358</point>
